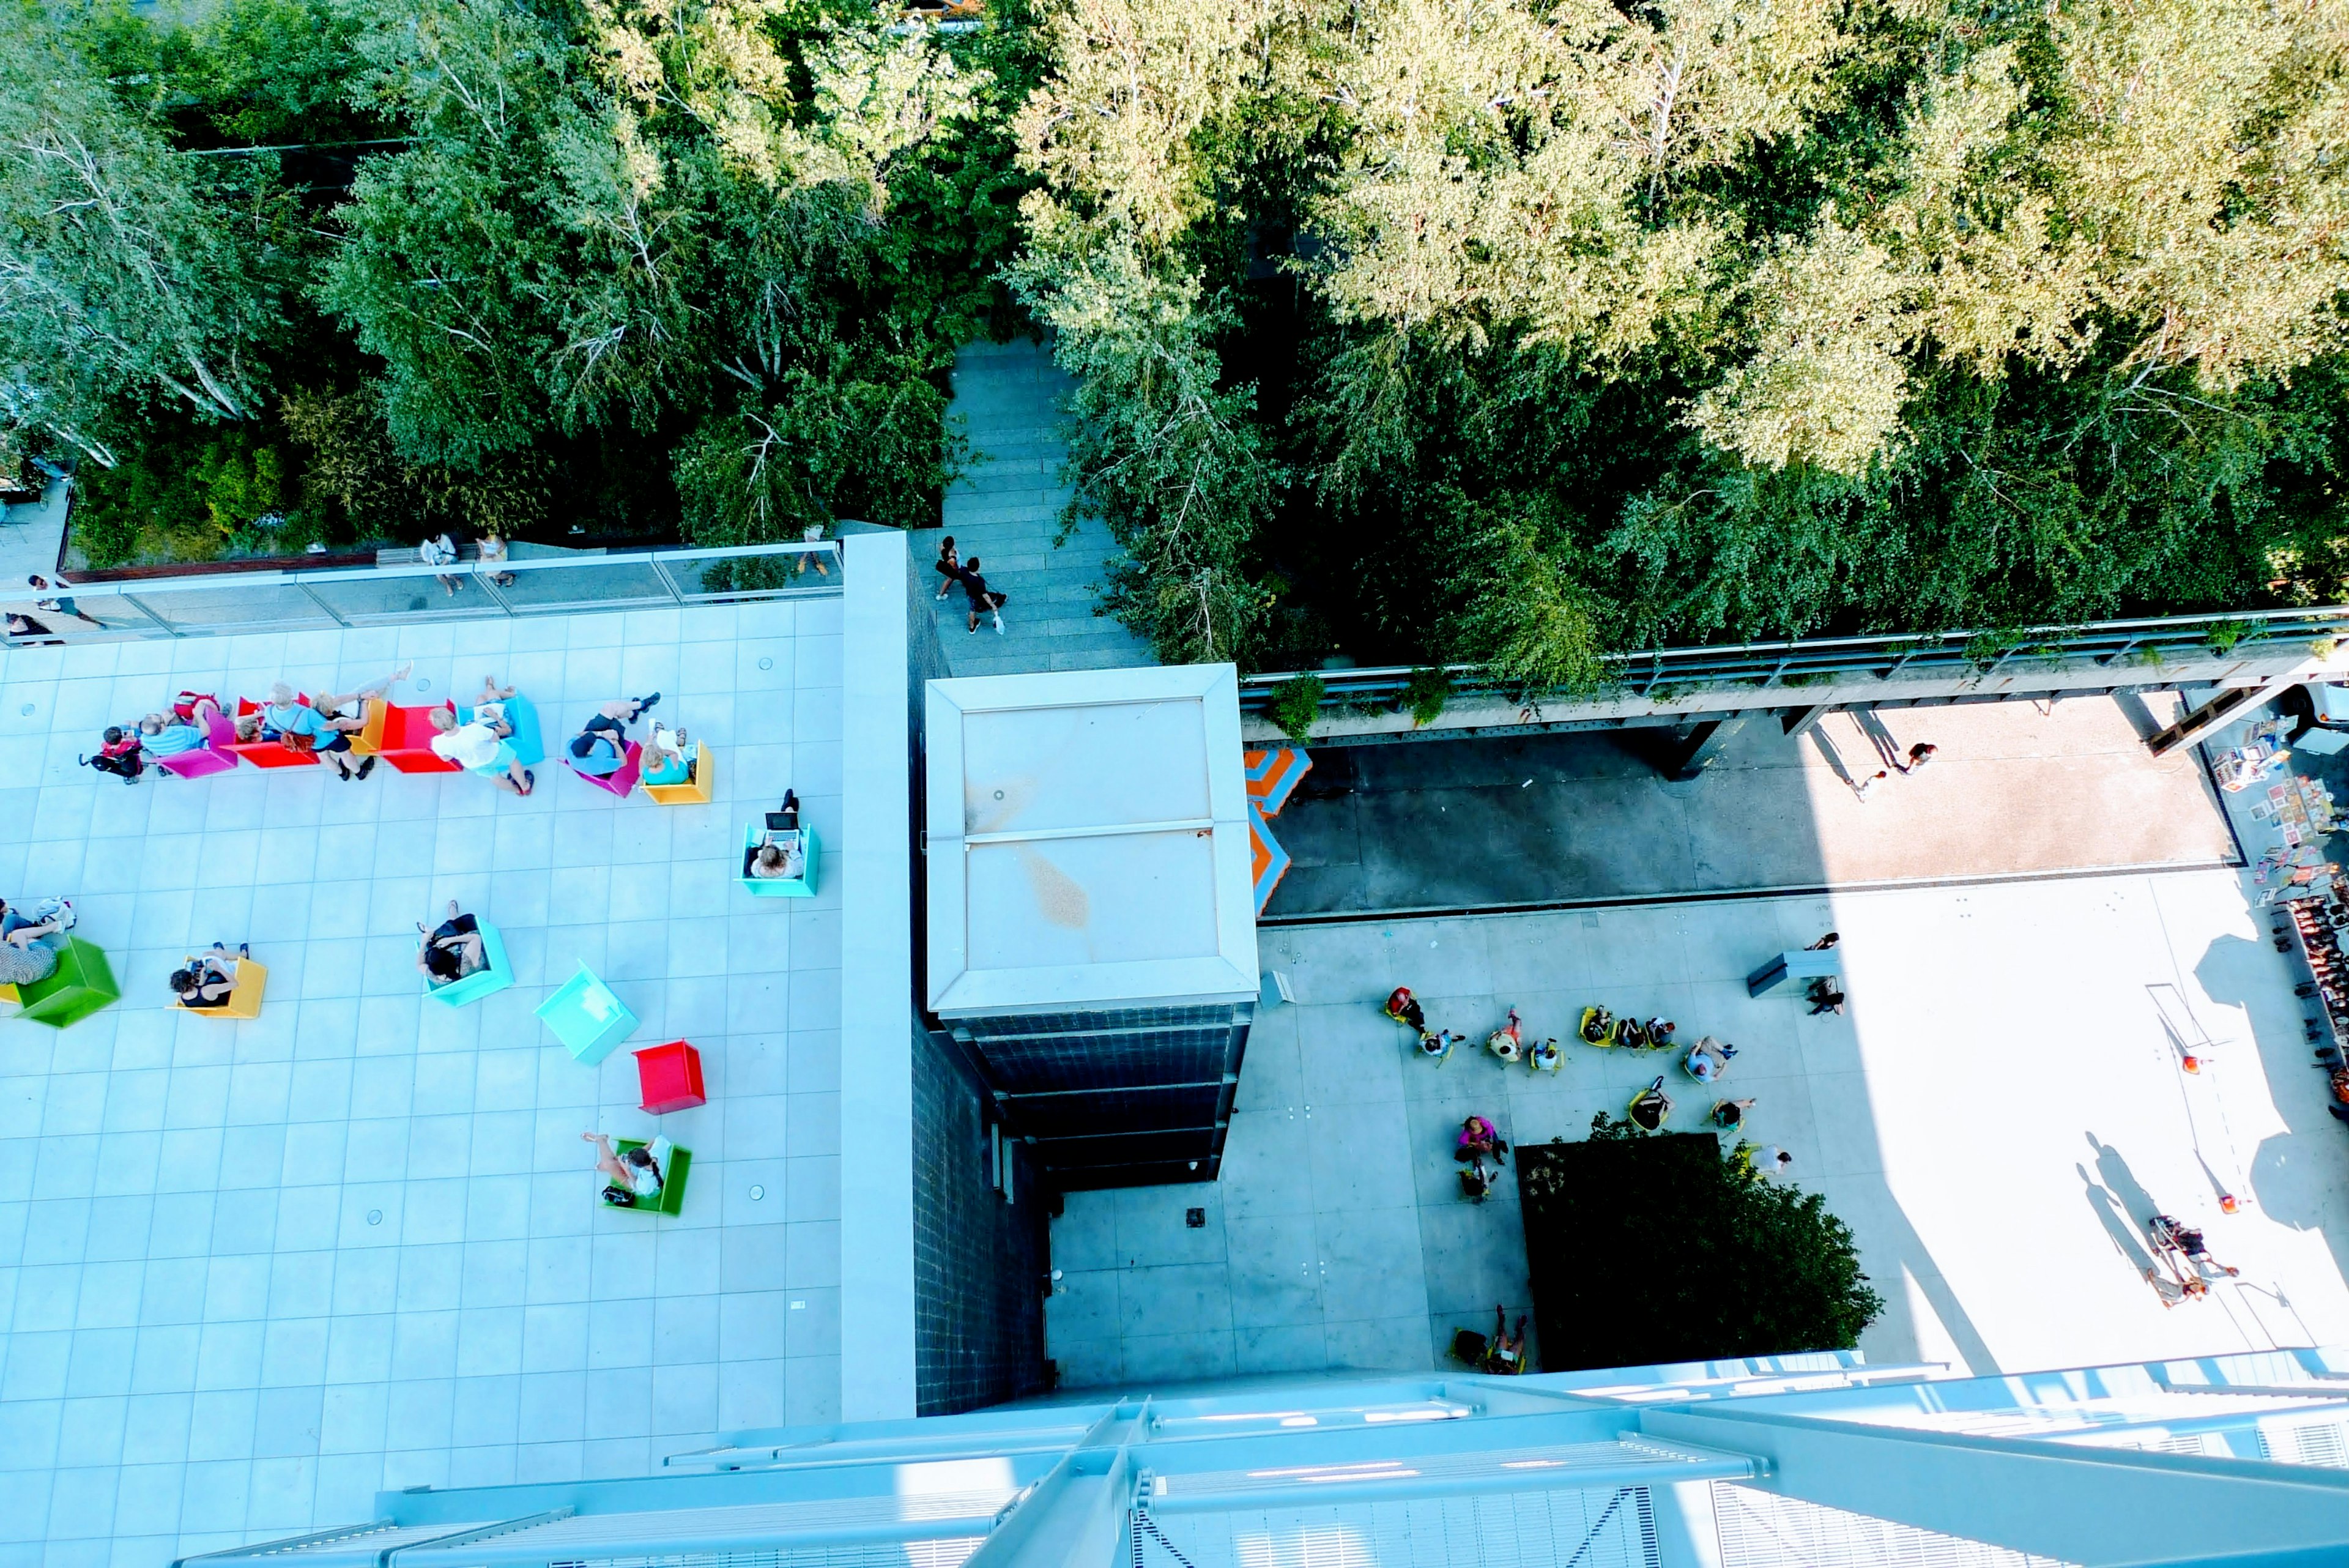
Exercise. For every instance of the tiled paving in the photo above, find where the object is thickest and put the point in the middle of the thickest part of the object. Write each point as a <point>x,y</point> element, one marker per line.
<point>255,1271</point>
<point>1006,510</point>
<point>1995,1117</point>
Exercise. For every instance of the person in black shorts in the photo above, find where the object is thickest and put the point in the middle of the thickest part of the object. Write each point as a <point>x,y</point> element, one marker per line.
<point>983,600</point>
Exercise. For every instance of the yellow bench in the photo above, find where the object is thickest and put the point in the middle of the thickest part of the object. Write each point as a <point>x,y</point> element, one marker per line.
<point>244,997</point>
<point>703,778</point>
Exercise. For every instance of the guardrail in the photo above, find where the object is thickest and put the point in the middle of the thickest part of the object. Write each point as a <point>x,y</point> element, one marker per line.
<point>1662,674</point>
<point>378,596</point>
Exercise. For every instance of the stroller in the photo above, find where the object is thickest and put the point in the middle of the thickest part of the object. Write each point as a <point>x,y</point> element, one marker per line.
<point>2182,1250</point>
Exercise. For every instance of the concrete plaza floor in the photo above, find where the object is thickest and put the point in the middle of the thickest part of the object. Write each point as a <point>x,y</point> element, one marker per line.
<point>1996,1116</point>
<point>1436,825</point>
<point>253,1272</point>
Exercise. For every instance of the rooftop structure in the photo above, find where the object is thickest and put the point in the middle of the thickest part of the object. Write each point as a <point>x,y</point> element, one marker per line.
<point>1088,843</point>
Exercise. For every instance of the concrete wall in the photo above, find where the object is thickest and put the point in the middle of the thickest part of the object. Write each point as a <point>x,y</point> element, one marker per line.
<point>877,1017</point>
<point>978,1261</point>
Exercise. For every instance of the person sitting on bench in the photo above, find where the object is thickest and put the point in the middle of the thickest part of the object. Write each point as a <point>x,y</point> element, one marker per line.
<point>452,951</point>
<point>210,978</point>
<point>784,853</point>
<point>600,749</point>
<point>631,1179</point>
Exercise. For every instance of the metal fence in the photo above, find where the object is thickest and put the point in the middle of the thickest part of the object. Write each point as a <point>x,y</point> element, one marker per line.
<point>1662,674</point>
<point>467,590</point>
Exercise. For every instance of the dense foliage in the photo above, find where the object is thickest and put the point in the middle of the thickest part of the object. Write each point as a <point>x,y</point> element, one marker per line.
<point>1515,329</point>
<point>1417,330</point>
<point>345,269</point>
<point>1646,1249</point>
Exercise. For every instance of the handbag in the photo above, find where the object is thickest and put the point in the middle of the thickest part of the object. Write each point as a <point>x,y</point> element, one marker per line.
<point>298,741</point>
<point>619,1198</point>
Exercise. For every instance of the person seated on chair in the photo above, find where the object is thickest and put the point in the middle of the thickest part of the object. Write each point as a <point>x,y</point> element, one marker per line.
<point>210,978</point>
<point>348,710</point>
<point>1507,1353</point>
<point>783,862</point>
<point>1730,1113</point>
<point>165,735</point>
<point>477,749</point>
<point>600,749</point>
<point>303,729</point>
<point>1708,1059</point>
<point>1769,1160</point>
<point>490,708</point>
<point>665,762</point>
<point>452,951</point>
<point>22,930</point>
<point>637,1174</point>
<point>1651,1106</point>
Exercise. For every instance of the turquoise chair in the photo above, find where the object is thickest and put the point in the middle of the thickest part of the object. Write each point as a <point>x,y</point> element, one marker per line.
<point>587,1018</point>
<point>800,886</point>
<point>480,982</point>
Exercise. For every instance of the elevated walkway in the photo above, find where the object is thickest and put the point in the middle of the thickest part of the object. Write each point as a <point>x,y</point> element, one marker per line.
<point>1006,510</point>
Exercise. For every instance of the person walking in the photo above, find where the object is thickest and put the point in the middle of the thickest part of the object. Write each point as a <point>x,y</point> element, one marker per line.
<point>949,566</point>
<point>58,604</point>
<point>1870,782</point>
<point>983,600</point>
<point>1920,754</point>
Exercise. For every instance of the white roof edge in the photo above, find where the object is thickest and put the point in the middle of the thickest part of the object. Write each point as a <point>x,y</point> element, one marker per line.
<point>1107,987</point>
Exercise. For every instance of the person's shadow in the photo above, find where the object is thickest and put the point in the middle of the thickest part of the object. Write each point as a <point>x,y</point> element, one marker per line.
<point>1873,728</point>
<point>1835,758</point>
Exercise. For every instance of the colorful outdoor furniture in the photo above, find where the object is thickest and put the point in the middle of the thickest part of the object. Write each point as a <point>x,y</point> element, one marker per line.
<point>800,886</point>
<point>587,1017</point>
<point>669,1078</point>
<point>480,982</point>
<point>700,782</point>
<point>244,996</point>
<point>402,736</point>
<point>267,753</point>
<point>81,984</point>
<point>623,781</point>
<point>529,745</point>
<point>672,1193</point>
<point>217,755</point>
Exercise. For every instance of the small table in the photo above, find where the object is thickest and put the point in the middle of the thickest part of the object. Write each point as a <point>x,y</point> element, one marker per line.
<point>587,1018</point>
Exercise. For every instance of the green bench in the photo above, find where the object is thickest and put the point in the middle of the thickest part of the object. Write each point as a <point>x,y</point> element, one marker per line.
<point>672,1193</point>
<point>80,985</point>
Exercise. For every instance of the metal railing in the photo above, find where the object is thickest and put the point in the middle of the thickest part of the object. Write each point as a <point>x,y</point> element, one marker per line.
<point>466,590</point>
<point>1666,674</point>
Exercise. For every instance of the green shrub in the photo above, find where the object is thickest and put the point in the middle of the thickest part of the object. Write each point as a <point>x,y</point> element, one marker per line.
<point>1296,705</point>
<point>1425,694</point>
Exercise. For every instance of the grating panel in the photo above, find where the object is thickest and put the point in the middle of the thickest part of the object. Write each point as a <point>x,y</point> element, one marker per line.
<point>1763,1530</point>
<point>1604,1529</point>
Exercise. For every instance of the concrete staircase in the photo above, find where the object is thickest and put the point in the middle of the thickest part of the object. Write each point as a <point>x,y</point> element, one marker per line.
<point>1005,510</point>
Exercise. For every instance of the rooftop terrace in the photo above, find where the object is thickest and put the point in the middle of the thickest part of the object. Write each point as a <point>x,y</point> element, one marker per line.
<point>255,1271</point>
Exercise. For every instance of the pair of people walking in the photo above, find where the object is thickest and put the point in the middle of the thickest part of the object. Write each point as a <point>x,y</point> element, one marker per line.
<point>983,600</point>
<point>1889,750</point>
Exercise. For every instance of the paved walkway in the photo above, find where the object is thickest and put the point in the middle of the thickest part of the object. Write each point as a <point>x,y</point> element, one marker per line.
<point>1996,1117</point>
<point>1006,510</point>
<point>1554,819</point>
